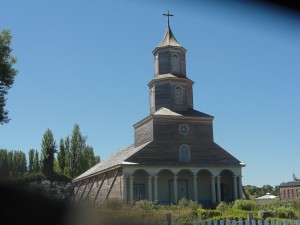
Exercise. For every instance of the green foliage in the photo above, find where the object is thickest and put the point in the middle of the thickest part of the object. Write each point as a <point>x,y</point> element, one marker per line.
<point>61,156</point>
<point>12,163</point>
<point>247,205</point>
<point>33,177</point>
<point>208,213</point>
<point>282,209</point>
<point>186,217</point>
<point>77,149</point>
<point>36,162</point>
<point>241,208</point>
<point>80,157</point>
<point>255,192</point>
<point>223,206</point>
<point>145,205</point>
<point>48,151</point>
<point>184,203</point>
<point>4,166</point>
<point>112,203</point>
<point>7,72</point>
<point>284,212</point>
<point>31,160</point>
<point>183,213</point>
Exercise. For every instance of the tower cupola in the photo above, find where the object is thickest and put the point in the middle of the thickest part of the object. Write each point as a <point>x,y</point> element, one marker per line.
<point>170,87</point>
<point>169,55</point>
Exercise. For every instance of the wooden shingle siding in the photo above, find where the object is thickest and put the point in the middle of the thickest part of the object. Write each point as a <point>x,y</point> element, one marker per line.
<point>168,130</point>
<point>143,133</point>
<point>162,95</point>
<point>116,189</point>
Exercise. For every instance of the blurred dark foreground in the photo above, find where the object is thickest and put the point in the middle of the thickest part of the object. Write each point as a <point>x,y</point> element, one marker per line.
<point>22,205</point>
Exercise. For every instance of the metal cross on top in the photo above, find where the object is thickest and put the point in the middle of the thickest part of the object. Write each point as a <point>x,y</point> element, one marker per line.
<point>168,15</point>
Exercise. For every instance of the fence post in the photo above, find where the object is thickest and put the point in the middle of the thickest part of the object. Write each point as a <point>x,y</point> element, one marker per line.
<point>286,222</point>
<point>216,222</point>
<point>273,222</point>
<point>241,222</point>
<point>298,222</point>
<point>250,216</point>
<point>259,222</point>
<point>279,222</point>
<point>168,218</point>
<point>266,222</point>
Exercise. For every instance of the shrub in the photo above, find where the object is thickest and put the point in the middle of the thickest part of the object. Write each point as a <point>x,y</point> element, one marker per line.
<point>145,205</point>
<point>184,203</point>
<point>222,206</point>
<point>244,204</point>
<point>112,203</point>
<point>208,213</point>
<point>186,217</point>
<point>284,212</point>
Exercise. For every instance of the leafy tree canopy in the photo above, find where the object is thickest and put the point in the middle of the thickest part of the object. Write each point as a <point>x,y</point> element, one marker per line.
<point>7,72</point>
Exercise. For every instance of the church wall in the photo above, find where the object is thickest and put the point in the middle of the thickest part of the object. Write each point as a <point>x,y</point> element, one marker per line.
<point>173,94</point>
<point>167,129</point>
<point>143,133</point>
<point>162,95</point>
<point>181,100</point>
<point>182,64</point>
<point>116,191</point>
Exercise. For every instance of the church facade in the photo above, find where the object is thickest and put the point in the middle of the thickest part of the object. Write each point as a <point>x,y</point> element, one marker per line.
<point>174,155</point>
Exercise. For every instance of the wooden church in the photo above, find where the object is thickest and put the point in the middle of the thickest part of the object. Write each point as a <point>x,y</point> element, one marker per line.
<point>174,155</point>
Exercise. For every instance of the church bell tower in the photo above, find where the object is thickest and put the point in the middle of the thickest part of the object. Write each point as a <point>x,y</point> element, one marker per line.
<point>170,87</point>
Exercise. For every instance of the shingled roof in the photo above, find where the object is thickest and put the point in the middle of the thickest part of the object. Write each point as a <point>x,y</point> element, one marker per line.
<point>194,113</point>
<point>116,159</point>
<point>169,39</point>
<point>290,184</point>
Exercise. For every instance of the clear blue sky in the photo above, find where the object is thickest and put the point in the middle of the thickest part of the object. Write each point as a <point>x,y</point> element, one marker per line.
<point>89,62</point>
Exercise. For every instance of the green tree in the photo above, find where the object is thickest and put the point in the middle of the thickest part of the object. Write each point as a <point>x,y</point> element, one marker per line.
<point>7,72</point>
<point>97,159</point>
<point>10,157</point>
<point>31,160</point>
<point>22,163</point>
<point>4,169</point>
<point>61,156</point>
<point>15,168</point>
<point>267,189</point>
<point>47,153</point>
<point>76,155</point>
<point>91,159</point>
<point>68,159</point>
<point>36,162</point>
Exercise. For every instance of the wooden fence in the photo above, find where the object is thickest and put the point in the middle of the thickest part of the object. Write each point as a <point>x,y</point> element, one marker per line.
<point>239,222</point>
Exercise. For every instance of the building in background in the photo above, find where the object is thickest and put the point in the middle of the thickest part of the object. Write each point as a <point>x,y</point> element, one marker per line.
<point>266,197</point>
<point>290,190</point>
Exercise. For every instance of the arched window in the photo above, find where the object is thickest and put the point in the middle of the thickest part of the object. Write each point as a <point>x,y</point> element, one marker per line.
<point>179,95</point>
<point>184,153</point>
